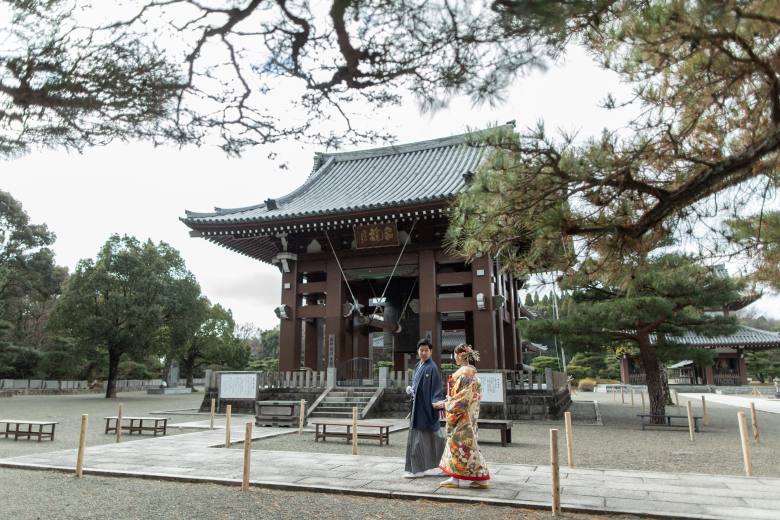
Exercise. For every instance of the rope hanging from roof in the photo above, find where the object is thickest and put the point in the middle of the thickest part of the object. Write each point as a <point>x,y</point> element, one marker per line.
<point>344,276</point>
<point>398,260</point>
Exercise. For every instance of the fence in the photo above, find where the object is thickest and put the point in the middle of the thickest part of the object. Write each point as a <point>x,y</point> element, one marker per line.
<point>548,380</point>
<point>57,385</point>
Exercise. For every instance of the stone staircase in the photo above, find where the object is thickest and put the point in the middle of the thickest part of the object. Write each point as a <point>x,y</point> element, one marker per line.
<point>338,402</point>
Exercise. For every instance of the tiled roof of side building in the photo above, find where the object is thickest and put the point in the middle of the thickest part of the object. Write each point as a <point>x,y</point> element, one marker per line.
<point>392,176</point>
<point>745,337</point>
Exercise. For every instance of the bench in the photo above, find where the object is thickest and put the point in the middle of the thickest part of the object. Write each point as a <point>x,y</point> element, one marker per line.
<point>646,417</point>
<point>136,425</point>
<point>41,433</point>
<point>383,436</point>
<point>504,426</point>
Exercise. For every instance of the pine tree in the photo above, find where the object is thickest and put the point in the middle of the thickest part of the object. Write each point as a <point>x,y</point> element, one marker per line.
<point>665,297</point>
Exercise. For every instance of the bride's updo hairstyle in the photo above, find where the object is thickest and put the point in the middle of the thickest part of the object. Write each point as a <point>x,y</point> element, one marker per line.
<point>473,355</point>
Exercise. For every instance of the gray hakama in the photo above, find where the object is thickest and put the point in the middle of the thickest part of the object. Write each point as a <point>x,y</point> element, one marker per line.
<point>424,449</point>
<point>426,441</point>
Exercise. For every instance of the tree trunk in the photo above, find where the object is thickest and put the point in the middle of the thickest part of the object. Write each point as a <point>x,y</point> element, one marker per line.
<point>655,389</point>
<point>665,384</point>
<point>113,372</point>
<point>188,365</point>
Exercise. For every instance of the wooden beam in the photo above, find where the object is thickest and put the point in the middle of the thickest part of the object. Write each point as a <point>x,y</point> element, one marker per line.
<point>461,278</point>
<point>311,311</point>
<point>462,304</point>
<point>312,287</point>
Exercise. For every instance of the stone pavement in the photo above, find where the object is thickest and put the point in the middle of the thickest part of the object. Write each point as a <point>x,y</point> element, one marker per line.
<point>199,456</point>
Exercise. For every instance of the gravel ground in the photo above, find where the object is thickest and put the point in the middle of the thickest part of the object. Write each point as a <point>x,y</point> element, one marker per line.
<point>61,496</point>
<point>618,444</point>
<point>67,409</point>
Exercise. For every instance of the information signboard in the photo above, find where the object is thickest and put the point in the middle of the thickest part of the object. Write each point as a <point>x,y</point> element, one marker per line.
<point>492,387</point>
<point>238,385</point>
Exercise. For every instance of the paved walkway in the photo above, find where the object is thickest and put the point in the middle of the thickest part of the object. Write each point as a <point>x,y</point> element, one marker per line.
<point>762,404</point>
<point>199,457</point>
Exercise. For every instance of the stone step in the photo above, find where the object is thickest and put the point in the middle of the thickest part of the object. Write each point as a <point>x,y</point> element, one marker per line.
<point>347,400</point>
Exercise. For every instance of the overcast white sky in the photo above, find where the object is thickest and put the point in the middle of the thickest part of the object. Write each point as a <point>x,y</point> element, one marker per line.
<point>137,189</point>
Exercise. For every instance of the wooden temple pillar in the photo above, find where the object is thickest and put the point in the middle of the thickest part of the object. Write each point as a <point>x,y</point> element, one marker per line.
<point>742,368</point>
<point>429,315</point>
<point>290,327</point>
<point>510,327</point>
<point>334,320</point>
<point>484,318</point>
<point>311,354</point>
<point>709,376</point>
<point>624,370</point>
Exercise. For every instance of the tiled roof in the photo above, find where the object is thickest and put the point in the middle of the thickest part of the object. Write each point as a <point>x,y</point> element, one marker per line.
<point>392,176</point>
<point>745,337</point>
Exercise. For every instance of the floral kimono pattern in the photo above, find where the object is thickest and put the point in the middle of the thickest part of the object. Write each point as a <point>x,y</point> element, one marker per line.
<point>462,458</point>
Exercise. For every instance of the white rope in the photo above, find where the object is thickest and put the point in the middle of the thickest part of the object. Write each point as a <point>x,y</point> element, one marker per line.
<point>354,300</point>
<point>408,237</point>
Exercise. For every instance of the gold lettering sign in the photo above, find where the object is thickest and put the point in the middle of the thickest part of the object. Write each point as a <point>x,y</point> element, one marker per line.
<point>376,235</point>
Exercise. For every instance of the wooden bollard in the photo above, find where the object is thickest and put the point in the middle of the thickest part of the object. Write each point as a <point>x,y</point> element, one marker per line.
<point>642,394</point>
<point>554,469</point>
<point>632,397</point>
<point>622,395</point>
<point>614,395</point>
<point>302,417</point>
<point>82,446</point>
<point>569,439</point>
<point>743,435</point>
<point>211,417</point>
<point>754,423</point>
<point>704,417</point>
<point>354,430</point>
<point>247,456</point>
<point>690,420</point>
<point>677,401</point>
<point>228,409</point>
<point>119,424</point>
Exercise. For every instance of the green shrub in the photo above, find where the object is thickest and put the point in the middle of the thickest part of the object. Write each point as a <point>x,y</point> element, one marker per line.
<point>586,385</point>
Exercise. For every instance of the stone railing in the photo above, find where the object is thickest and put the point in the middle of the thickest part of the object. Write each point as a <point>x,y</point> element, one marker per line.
<point>43,385</point>
<point>294,379</point>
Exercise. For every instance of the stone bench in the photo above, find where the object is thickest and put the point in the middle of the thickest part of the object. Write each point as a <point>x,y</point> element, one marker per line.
<point>277,413</point>
<point>136,425</point>
<point>40,433</point>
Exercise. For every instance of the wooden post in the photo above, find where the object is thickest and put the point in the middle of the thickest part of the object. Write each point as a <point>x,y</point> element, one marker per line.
<point>677,401</point>
<point>754,423</point>
<point>119,424</point>
<point>211,417</point>
<point>622,395</point>
<point>228,409</point>
<point>247,456</point>
<point>743,434</point>
<point>554,469</point>
<point>302,418</point>
<point>614,394</point>
<point>632,397</point>
<point>704,417</point>
<point>354,430</point>
<point>82,446</point>
<point>690,420</point>
<point>642,393</point>
<point>569,439</point>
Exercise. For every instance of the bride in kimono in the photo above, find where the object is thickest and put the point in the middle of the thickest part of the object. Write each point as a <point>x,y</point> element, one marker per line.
<point>462,460</point>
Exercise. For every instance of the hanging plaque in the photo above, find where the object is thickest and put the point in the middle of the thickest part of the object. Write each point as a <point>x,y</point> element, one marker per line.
<point>376,235</point>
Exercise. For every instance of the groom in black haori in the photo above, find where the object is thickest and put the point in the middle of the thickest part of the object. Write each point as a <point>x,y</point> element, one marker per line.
<point>426,441</point>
